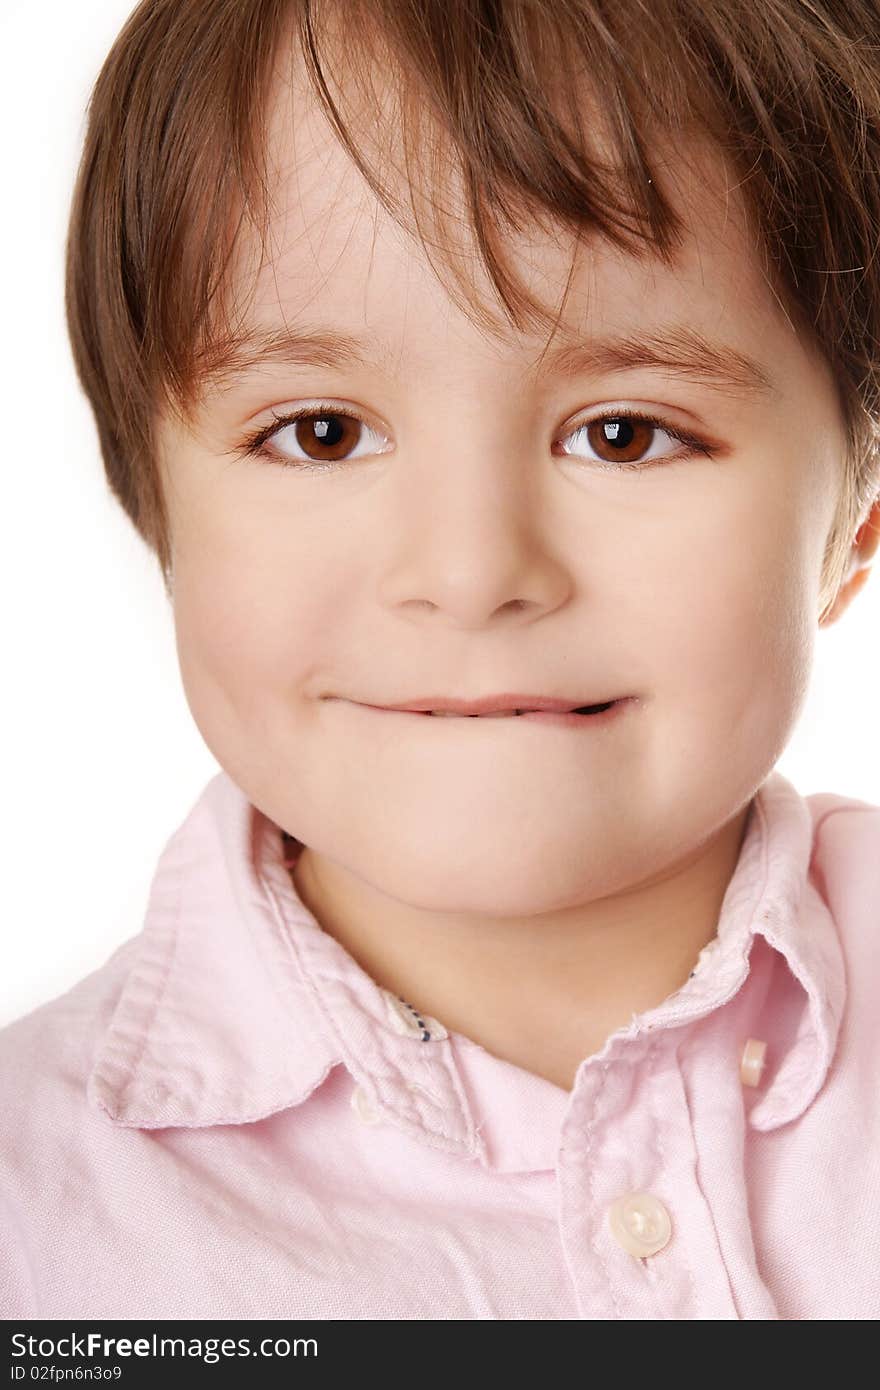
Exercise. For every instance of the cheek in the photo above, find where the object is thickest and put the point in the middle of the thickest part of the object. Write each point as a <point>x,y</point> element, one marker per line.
<point>250,632</point>
<point>740,655</point>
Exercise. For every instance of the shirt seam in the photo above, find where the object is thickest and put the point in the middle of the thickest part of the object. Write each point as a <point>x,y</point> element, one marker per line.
<point>661,1155</point>
<point>596,1240</point>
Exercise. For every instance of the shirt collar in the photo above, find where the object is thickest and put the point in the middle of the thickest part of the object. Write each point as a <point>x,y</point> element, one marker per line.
<point>236,1003</point>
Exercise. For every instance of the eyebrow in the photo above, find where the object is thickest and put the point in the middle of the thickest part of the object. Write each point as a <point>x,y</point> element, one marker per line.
<point>678,349</point>
<point>675,348</point>
<point>234,361</point>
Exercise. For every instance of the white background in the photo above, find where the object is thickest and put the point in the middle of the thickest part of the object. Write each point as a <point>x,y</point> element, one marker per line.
<point>101,757</point>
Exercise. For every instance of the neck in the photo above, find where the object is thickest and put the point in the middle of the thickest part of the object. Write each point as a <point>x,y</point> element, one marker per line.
<point>545,991</point>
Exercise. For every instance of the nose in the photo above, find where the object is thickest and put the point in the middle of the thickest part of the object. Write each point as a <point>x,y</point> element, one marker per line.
<point>474,543</point>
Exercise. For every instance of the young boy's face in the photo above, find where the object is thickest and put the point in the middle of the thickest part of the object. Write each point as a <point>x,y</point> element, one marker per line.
<point>469,541</point>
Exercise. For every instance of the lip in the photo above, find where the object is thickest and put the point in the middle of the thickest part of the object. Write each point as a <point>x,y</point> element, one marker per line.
<point>490,704</point>
<point>563,718</point>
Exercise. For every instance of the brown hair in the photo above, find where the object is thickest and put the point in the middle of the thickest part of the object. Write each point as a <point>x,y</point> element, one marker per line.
<point>173,166</point>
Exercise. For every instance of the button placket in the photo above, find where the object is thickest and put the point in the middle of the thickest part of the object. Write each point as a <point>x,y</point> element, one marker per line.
<point>627,1171</point>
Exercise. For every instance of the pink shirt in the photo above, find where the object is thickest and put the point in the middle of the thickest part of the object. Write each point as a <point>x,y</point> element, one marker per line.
<point>231,1119</point>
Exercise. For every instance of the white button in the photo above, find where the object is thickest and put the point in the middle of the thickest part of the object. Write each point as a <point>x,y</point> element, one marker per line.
<point>364,1107</point>
<point>640,1223</point>
<point>752,1064</point>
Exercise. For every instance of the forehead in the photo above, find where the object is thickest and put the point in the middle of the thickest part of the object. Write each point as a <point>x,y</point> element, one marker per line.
<point>335,256</point>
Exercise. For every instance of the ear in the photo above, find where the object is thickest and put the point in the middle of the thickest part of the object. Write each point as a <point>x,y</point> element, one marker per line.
<point>864,549</point>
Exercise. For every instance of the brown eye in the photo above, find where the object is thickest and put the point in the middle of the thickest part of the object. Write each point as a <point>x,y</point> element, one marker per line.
<point>624,441</point>
<point>316,437</point>
<point>324,438</point>
<point>621,438</point>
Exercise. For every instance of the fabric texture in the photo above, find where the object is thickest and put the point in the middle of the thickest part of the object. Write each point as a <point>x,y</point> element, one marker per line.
<point>231,1119</point>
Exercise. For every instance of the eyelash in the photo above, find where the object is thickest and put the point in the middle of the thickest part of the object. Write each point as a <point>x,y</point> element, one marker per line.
<point>252,445</point>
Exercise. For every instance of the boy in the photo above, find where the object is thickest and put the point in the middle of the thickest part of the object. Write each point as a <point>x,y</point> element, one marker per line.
<point>497,635</point>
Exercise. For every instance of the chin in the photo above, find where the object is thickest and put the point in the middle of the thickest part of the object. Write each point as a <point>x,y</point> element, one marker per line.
<point>497,875</point>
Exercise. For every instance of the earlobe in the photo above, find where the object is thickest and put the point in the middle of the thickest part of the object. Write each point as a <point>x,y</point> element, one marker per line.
<point>864,548</point>
<point>868,535</point>
<point>856,584</point>
<point>845,596</point>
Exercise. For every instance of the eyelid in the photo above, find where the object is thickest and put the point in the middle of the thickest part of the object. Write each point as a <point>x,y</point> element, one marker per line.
<point>253,444</point>
<point>697,444</point>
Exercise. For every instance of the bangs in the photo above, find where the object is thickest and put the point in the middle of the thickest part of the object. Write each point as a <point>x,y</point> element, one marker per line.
<point>468,121</point>
<point>463,156</point>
